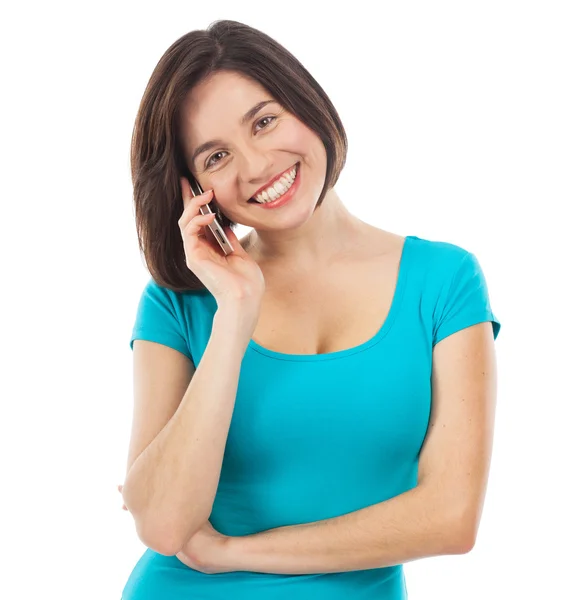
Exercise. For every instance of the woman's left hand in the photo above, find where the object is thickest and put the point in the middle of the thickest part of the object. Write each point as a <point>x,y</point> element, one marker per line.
<point>206,551</point>
<point>120,487</point>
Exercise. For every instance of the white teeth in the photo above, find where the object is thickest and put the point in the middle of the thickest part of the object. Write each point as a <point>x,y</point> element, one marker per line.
<point>278,189</point>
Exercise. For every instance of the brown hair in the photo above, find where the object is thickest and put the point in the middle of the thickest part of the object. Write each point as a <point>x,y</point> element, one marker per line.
<point>157,158</point>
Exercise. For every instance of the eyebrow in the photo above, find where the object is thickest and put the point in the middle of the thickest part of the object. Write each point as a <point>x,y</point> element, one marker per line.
<point>247,117</point>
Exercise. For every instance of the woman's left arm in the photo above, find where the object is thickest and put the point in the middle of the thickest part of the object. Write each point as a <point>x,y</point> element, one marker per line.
<point>439,516</point>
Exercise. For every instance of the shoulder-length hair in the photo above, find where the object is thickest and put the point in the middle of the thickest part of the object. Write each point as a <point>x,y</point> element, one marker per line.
<point>157,158</point>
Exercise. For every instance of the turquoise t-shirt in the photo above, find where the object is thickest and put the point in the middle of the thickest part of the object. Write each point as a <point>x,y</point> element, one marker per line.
<point>317,436</point>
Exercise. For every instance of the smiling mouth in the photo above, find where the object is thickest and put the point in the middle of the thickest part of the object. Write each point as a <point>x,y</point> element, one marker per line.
<point>296,167</point>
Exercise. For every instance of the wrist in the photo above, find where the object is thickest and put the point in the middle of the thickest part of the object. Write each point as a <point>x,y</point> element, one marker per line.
<point>230,334</point>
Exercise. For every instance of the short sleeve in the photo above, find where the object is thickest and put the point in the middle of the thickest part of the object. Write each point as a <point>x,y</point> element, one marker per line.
<point>466,301</point>
<point>157,320</point>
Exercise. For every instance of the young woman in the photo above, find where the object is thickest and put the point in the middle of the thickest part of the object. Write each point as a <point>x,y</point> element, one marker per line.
<point>315,408</point>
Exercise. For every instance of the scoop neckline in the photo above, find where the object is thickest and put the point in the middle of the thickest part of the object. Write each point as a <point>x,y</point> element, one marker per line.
<point>381,333</point>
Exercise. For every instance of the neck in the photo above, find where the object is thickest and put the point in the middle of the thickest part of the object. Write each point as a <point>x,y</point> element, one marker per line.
<point>327,234</point>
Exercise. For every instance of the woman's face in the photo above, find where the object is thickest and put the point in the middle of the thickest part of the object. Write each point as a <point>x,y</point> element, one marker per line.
<point>245,156</point>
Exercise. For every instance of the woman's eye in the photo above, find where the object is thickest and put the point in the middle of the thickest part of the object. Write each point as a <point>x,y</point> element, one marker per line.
<point>265,119</point>
<point>210,163</point>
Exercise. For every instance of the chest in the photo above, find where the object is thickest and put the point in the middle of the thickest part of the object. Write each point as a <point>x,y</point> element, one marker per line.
<point>332,310</point>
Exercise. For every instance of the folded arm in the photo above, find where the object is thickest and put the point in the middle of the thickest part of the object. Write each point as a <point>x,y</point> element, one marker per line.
<point>439,516</point>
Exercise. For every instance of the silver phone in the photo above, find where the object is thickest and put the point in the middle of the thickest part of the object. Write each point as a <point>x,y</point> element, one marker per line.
<point>215,226</point>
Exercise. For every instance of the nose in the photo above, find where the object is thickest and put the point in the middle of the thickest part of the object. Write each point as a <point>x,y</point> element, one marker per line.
<point>256,166</point>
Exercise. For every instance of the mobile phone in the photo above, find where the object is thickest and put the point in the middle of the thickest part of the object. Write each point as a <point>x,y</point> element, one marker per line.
<point>214,226</point>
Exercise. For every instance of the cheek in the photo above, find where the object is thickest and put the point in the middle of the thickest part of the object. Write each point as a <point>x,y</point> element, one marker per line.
<point>309,144</point>
<point>224,192</point>
<point>297,136</point>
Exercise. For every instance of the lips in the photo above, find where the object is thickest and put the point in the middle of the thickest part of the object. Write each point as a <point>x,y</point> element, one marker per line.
<point>284,198</point>
<point>271,182</point>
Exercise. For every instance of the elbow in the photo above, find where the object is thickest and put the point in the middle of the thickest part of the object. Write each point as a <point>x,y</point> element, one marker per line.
<point>466,542</point>
<point>464,530</point>
<point>151,536</point>
<point>166,540</point>
<point>167,546</point>
<point>165,535</point>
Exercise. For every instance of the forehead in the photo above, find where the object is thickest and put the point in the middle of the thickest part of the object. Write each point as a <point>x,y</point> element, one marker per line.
<point>215,105</point>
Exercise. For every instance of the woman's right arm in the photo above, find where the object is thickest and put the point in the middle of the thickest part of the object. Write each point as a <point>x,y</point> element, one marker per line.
<point>170,486</point>
<point>177,446</point>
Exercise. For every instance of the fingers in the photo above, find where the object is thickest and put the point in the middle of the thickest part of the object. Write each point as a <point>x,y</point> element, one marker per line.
<point>120,487</point>
<point>192,222</point>
<point>192,212</point>
<point>195,227</point>
<point>191,203</point>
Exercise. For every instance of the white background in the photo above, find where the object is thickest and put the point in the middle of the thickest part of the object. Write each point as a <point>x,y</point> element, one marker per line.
<point>458,118</point>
